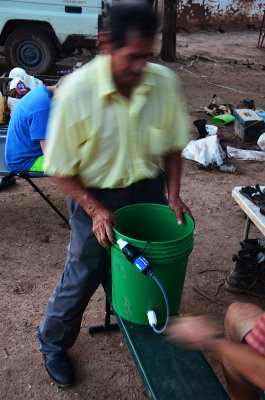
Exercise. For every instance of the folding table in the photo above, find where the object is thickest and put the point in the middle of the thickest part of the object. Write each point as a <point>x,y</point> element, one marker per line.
<point>251,210</point>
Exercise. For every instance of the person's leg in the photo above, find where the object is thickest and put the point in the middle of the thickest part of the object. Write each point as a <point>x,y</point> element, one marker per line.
<point>237,388</point>
<point>86,265</point>
<point>240,318</point>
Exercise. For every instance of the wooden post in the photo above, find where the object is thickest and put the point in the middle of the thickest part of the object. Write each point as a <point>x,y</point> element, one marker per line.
<point>168,47</point>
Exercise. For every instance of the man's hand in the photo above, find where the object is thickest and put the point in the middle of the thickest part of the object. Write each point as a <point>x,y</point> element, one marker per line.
<point>198,333</point>
<point>173,172</point>
<point>103,221</point>
<point>179,208</point>
<point>195,333</point>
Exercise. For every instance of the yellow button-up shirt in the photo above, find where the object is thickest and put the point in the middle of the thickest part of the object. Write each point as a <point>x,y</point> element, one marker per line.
<point>110,141</point>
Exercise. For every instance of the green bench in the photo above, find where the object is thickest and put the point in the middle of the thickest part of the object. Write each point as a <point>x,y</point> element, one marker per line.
<point>167,372</point>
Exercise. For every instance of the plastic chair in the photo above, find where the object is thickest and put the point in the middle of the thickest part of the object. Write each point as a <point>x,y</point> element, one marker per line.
<point>262,30</point>
<point>27,175</point>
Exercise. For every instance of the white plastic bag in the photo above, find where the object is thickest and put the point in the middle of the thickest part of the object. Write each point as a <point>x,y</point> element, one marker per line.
<point>20,75</point>
<point>261,141</point>
<point>240,154</point>
<point>205,151</point>
<point>211,129</point>
<point>14,82</point>
<point>17,73</point>
<point>32,82</point>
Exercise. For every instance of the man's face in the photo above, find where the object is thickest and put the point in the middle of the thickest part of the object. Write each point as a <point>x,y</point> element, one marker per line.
<point>128,61</point>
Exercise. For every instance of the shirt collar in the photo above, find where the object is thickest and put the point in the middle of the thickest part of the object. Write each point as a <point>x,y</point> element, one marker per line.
<point>107,85</point>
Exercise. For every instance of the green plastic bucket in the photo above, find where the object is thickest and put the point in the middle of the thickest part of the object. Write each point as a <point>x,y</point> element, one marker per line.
<point>168,248</point>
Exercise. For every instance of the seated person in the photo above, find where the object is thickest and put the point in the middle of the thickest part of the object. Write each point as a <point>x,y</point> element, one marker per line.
<point>27,130</point>
<point>241,351</point>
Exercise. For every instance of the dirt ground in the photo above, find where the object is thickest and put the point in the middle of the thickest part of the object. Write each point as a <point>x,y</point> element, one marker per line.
<point>34,239</point>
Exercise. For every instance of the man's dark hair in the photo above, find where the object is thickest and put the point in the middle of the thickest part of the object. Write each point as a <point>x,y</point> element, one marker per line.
<point>131,17</point>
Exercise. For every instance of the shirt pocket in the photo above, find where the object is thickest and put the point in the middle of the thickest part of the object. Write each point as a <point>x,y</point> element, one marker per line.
<point>157,142</point>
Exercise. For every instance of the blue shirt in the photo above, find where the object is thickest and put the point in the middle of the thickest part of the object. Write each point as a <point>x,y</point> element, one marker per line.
<point>26,128</point>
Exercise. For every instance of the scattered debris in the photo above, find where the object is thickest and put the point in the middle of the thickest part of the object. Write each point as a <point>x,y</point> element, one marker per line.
<point>254,194</point>
<point>214,270</point>
<point>7,354</point>
<point>229,168</point>
<point>261,142</point>
<point>201,127</point>
<point>218,107</point>
<point>241,154</point>
<point>218,287</point>
<point>207,297</point>
<point>204,129</point>
<point>247,104</point>
<point>211,129</point>
<point>222,168</point>
<point>23,287</point>
<point>223,119</point>
<point>205,151</point>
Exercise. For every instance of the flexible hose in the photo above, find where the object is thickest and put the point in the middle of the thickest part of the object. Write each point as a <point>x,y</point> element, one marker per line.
<point>159,331</point>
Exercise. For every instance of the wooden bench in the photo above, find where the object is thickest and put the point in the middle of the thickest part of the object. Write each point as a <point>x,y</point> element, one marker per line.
<point>167,372</point>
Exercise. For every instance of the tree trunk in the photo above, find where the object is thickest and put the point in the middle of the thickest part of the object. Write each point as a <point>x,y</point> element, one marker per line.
<point>168,48</point>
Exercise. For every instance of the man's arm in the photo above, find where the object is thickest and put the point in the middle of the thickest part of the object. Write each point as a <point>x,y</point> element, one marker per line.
<point>103,219</point>
<point>197,333</point>
<point>173,172</point>
<point>42,145</point>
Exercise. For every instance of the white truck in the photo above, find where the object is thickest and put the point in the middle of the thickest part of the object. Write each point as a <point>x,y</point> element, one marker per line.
<point>35,33</point>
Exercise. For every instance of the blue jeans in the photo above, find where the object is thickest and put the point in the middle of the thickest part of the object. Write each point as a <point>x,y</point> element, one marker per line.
<point>87,264</point>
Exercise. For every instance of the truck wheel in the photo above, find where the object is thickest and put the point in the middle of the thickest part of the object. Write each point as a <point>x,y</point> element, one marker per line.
<point>30,49</point>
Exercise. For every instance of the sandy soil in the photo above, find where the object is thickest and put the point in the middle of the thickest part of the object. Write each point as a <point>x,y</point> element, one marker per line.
<point>34,239</point>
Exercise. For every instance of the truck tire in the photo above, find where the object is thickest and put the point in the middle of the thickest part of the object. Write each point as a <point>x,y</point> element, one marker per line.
<point>30,49</point>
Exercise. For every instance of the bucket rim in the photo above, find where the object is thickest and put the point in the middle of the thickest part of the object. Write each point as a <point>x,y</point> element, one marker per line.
<point>158,206</point>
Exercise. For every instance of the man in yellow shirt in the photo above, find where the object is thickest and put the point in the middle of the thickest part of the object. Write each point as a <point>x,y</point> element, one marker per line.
<point>111,123</point>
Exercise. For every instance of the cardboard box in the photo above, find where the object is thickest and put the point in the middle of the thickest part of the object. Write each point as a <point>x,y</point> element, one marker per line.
<point>248,124</point>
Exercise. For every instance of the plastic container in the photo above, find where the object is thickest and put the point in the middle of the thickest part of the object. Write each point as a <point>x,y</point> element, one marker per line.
<point>261,114</point>
<point>223,119</point>
<point>248,124</point>
<point>12,102</point>
<point>170,244</point>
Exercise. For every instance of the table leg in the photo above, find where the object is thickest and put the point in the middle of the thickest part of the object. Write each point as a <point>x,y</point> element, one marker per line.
<point>107,325</point>
<point>248,221</point>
